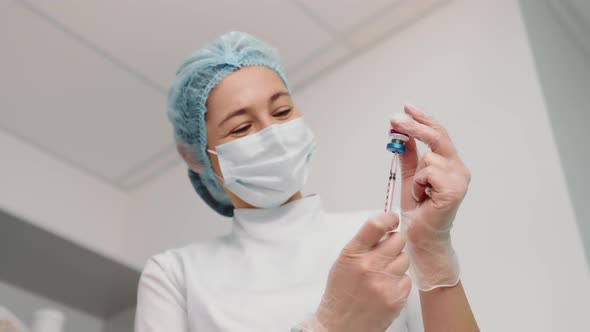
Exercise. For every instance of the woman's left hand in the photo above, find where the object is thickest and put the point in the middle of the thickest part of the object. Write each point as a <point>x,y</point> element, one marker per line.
<point>433,187</point>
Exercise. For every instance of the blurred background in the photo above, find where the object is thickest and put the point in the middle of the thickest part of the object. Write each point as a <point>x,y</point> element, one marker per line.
<point>91,184</point>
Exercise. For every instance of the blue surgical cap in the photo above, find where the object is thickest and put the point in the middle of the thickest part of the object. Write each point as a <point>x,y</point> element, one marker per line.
<point>187,98</point>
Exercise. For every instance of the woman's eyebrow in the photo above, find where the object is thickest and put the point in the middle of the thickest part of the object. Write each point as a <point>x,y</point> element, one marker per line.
<point>277,95</point>
<point>243,111</point>
<point>239,112</point>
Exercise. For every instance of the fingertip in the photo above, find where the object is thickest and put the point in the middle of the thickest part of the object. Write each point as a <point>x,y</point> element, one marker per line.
<point>410,143</point>
<point>389,219</point>
<point>400,118</point>
<point>409,107</point>
<point>406,284</point>
<point>414,196</point>
<point>418,192</point>
<point>394,217</point>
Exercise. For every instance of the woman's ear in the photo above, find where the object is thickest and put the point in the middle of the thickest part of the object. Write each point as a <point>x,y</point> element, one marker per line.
<point>188,153</point>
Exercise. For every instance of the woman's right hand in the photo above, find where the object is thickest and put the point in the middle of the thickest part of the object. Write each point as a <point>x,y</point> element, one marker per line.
<point>367,285</point>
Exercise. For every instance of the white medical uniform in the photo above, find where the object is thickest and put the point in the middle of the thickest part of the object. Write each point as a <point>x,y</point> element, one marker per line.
<point>268,274</point>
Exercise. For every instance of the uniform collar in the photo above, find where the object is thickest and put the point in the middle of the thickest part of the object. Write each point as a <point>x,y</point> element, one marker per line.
<point>283,223</point>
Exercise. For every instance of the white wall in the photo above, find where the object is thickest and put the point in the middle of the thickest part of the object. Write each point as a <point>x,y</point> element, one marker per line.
<point>470,65</point>
<point>169,213</point>
<point>62,199</point>
<point>124,226</point>
<point>561,46</point>
<point>121,322</point>
<point>24,303</point>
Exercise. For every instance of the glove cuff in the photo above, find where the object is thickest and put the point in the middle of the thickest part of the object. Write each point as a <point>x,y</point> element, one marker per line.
<point>310,324</point>
<point>435,267</point>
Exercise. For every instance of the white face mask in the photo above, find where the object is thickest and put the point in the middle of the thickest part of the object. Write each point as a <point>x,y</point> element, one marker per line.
<point>266,168</point>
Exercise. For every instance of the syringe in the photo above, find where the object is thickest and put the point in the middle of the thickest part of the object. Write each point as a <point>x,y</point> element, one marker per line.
<point>397,147</point>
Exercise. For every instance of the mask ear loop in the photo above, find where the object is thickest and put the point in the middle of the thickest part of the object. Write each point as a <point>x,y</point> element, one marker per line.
<point>217,176</point>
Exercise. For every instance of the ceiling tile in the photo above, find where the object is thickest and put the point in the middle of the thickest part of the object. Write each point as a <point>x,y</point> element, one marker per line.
<point>162,162</point>
<point>153,37</point>
<point>71,102</point>
<point>345,14</point>
<point>387,23</point>
<point>316,65</point>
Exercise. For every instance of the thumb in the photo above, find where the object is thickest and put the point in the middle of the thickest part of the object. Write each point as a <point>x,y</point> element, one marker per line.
<point>409,164</point>
<point>372,231</point>
<point>408,160</point>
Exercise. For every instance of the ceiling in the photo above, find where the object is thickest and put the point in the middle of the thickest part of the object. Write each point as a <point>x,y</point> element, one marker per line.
<point>86,81</point>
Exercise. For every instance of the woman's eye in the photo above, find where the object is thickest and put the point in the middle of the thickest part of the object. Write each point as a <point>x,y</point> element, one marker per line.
<point>241,130</point>
<point>282,113</point>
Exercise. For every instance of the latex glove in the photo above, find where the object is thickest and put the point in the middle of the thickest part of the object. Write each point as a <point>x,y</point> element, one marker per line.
<point>6,326</point>
<point>433,187</point>
<point>367,286</point>
<point>9,322</point>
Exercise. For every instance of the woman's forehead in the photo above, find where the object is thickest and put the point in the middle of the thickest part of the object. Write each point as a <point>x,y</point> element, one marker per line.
<point>245,87</point>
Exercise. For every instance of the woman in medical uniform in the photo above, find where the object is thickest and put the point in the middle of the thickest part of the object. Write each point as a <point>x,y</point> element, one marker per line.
<point>288,264</point>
